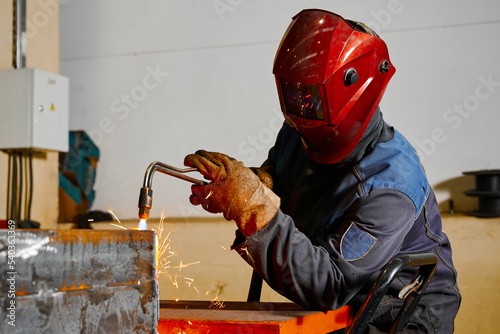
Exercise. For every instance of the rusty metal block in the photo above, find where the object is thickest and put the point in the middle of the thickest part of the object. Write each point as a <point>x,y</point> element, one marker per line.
<point>79,281</point>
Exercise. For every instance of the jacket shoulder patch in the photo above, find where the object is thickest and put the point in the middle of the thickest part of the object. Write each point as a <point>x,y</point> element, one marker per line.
<point>356,243</point>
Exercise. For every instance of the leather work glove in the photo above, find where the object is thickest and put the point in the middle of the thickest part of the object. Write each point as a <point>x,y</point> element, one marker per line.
<point>235,191</point>
<point>264,175</point>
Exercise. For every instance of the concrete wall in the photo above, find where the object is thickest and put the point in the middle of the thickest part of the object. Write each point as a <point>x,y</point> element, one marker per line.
<point>156,80</point>
<point>475,244</point>
<point>6,29</point>
<point>42,52</point>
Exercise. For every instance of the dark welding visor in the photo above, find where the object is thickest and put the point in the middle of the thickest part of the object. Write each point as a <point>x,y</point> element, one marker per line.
<point>302,99</point>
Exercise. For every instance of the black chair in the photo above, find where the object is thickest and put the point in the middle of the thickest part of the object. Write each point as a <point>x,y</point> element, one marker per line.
<point>427,263</point>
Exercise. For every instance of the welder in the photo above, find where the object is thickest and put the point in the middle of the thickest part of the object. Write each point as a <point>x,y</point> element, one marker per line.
<point>341,192</point>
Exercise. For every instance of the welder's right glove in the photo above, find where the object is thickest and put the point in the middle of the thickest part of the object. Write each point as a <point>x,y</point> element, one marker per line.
<point>235,191</point>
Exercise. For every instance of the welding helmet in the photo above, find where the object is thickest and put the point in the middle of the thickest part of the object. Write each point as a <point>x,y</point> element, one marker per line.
<point>331,74</point>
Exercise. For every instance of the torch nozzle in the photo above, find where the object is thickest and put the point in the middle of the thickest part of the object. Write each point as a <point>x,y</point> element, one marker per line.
<point>145,202</point>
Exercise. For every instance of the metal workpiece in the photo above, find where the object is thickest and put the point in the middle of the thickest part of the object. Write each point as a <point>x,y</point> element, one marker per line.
<point>80,281</point>
<point>119,309</point>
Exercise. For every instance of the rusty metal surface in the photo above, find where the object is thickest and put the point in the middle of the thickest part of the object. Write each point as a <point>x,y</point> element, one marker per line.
<point>246,317</point>
<point>81,281</point>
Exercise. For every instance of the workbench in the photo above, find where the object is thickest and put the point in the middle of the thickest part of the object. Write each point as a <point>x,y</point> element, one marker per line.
<point>247,317</point>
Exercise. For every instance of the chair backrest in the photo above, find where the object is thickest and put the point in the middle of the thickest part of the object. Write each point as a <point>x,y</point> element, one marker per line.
<point>410,293</point>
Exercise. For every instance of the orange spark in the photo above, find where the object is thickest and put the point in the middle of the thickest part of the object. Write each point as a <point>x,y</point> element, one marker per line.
<point>215,302</point>
<point>118,226</point>
<point>209,194</point>
<point>114,216</point>
<point>165,255</point>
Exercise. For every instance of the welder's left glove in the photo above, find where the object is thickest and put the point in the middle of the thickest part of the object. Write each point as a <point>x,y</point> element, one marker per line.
<point>235,191</point>
<point>264,174</point>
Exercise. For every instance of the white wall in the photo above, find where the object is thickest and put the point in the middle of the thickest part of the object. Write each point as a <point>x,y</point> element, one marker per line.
<point>214,89</point>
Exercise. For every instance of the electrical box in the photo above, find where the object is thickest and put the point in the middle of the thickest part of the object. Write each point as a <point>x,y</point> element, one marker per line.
<point>34,108</point>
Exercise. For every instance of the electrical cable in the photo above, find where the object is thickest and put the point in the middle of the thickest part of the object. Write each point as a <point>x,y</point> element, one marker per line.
<point>26,186</point>
<point>30,198</point>
<point>20,189</point>
<point>25,191</point>
<point>7,206</point>
<point>13,187</point>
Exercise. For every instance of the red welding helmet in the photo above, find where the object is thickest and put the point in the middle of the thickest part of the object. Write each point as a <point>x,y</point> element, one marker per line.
<point>331,74</point>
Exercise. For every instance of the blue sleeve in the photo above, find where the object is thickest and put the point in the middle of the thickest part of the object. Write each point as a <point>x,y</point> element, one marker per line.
<point>326,273</point>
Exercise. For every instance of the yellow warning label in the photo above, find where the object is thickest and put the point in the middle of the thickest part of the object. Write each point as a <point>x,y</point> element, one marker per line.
<point>52,107</point>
